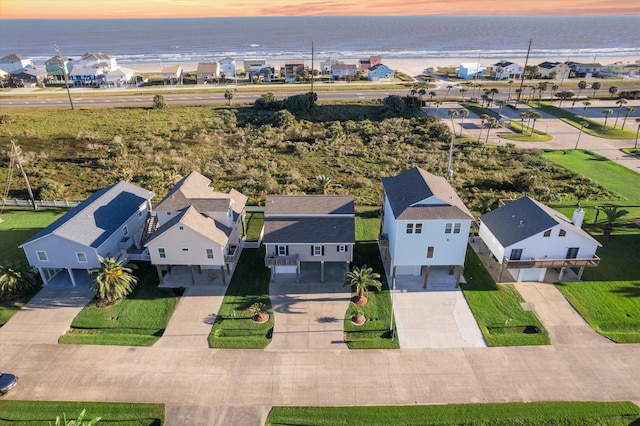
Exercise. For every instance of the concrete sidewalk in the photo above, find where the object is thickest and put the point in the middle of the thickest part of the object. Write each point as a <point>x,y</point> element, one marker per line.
<point>564,324</point>
<point>47,316</point>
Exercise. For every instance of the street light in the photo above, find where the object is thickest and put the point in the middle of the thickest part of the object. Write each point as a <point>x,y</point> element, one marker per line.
<point>583,125</point>
<point>64,73</point>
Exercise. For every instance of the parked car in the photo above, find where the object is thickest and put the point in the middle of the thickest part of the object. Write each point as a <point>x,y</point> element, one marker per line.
<point>7,382</point>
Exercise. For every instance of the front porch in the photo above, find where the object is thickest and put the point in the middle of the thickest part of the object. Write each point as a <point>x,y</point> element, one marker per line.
<point>184,276</point>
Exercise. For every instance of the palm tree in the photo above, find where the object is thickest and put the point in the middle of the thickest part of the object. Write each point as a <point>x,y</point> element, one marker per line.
<point>449,87</point>
<point>613,90</point>
<point>493,93</point>
<point>483,119</point>
<point>229,95</point>
<point>583,124</point>
<point>361,279</point>
<point>629,110</point>
<point>586,105</point>
<point>453,113</point>
<point>462,92</point>
<point>16,278</point>
<point>438,103</point>
<point>421,94</point>
<point>114,279</point>
<point>431,95</point>
<point>324,184</point>
<point>523,115</point>
<point>463,113</point>
<point>596,86</point>
<point>619,102</point>
<point>510,82</point>
<point>535,115</point>
<point>606,113</point>
<point>613,214</point>
<point>493,122</point>
<point>581,86</point>
<point>501,103</point>
<point>635,146</point>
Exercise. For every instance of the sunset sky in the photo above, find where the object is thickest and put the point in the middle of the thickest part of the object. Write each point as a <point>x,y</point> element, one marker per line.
<point>86,9</point>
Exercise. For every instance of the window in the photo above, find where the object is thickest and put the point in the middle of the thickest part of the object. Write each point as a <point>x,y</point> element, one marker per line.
<point>181,228</point>
<point>430,250</point>
<point>125,231</point>
<point>209,253</point>
<point>547,233</point>
<point>572,253</point>
<point>456,228</point>
<point>185,249</point>
<point>162,254</point>
<point>81,256</point>
<point>448,227</point>
<point>409,228</point>
<point>516,254</point>
<point>317,250</point>
<point>562,233</point>
<point>342,248</point>
<point>139,213</point>
<point>282,250</point>
<point>418,228</point>
<point>42,256</point>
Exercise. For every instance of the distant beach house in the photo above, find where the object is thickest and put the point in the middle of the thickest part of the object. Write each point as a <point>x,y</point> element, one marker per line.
<point>527,237</point>
<point>227,67</point>
<point>470,70</point>
<point>120,77</point>
<point>98,60</point>
<point>253,65</point>
<point>584,70</point>
<point>29,78</point>
<point>57,66</point>
<point>172,75</point>
<point>557,70</point>
<point>343,71</point>
<point>13,63</point>
<point>619,69</point>
<point>365,64</point>
<point>424,224</point>
<point>326,66</point>
<point>197,227</point>
<point>207,72</point>
<point>292,69</point>
<point>86,76</point>
<point>102,225</point>
<point>506,70</point>
<point>380,72</point>
<point>308,228</point>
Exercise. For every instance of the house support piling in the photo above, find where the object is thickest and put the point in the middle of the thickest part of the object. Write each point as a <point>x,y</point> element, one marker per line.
<point>459,271</point>
<point>224,277</point>
<point>426,276</point>
<point>73,279</point>
<point>393,278</point>
<point>580,272</point>
<point>322,271</point>
<point>159,270</point>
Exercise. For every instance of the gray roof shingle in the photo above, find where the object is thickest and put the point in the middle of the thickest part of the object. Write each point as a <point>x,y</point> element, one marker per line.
<point>317,230</point>
<point>309,205</point>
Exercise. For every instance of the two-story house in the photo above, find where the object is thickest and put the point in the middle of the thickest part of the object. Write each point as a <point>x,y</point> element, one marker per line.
<point>207,72</point>
<point>102,225</point>
<point>172,75</point>
<point>227,67</point>
<point>308,228</point>
<point>424,224</point>
<point>506,70</point>
<point>527,237</point>
<point>380,72</point>
<point>197,227</point>
<point>14,64</point>
<point>557,70</point>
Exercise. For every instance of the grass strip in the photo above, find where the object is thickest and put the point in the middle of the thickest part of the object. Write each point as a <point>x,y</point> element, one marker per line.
<point>498,310</point>
<point>43,413</point>
<point>611,308</point>
<point>138,320</point>
<point>234,327</point>
<point>495,414</point>
<point>254,222</point>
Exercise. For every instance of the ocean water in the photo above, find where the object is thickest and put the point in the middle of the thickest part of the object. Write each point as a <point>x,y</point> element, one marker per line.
<point>280,38</point>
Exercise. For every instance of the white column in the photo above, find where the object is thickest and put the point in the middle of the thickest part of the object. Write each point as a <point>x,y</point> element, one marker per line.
<point>45,281</point>
<point>73,279</point>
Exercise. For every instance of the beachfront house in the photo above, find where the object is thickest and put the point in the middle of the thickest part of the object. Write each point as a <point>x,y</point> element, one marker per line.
<point>553,70</point>
<point>584,70</point>
<point>380,72</point>
<point>98,60</point>
<point>470,70</point>
<point>504,70</point>
<point>120,77</point>
<point>29,78</point>
<point>102,225</point>
<point>424,225</point>
<point>86,76</point>
<point>327,65</point>
<point>197,228</point>
<point>292,69</point>
<point>14,64</point>
<point>344,71</point>
<point>172,75</point>
<point>528,237</point>
<point>58,66</point>
<point>207,72</point>
<point>227,67</point>
<point>621,70</point>
<point>301,229</point>
<point>373,60</point>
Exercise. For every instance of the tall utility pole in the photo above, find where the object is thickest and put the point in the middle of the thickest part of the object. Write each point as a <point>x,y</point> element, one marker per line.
<point>450,166</point>
<point>15,151</point>
<point>526,61</point>
<point>64,73</point>
<point>311,66</point>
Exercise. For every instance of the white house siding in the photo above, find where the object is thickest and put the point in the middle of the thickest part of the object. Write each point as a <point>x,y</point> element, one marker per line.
<point>331,253</point>
<point>61,253</point>
<point>174,240</point>
<point>491,242</point>
<point>554,246</point>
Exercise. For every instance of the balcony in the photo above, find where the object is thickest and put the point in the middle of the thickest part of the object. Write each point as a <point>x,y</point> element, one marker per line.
<point>383,240</point>
<point>551,263</point>
<point>233,253</point>
<point>272,260</point>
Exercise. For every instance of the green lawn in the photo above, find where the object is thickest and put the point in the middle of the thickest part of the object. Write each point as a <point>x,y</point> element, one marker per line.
<point>496,414</point>
<point>138,320</point>
<point>524,133</point>
<point>254,223</point>
<point>595,128</point>
<point>612,308</point>
<point>234,327</point>
<point>497,308</point>
<point>44,413</point>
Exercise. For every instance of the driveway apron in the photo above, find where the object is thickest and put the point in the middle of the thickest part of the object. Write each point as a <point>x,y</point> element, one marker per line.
<point>47,316</point>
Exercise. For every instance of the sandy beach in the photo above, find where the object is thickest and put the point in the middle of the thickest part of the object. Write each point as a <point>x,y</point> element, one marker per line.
<point>410,66</point>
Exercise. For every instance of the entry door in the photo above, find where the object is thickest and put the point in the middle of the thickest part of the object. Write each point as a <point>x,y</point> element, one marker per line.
<point>572,253</point>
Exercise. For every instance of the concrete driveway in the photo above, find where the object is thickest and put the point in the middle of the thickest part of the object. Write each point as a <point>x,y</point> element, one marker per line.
<point>309,314</point>
<point>47,316</point>
<point>435,317</point>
